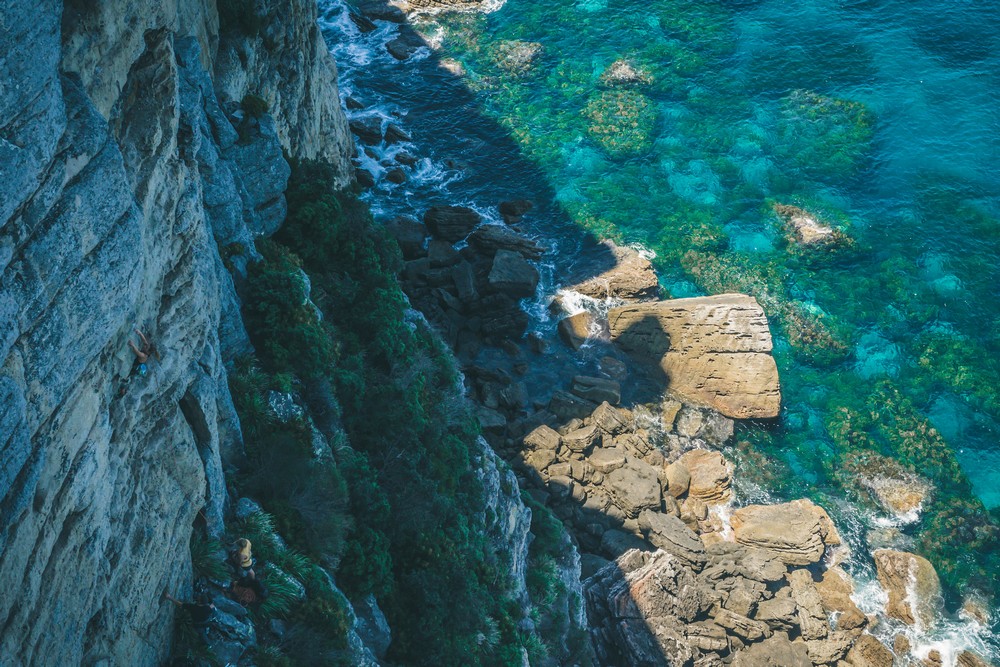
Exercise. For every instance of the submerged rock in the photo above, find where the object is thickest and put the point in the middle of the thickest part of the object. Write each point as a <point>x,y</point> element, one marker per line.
<point>624,73</point>
<point>713,350</point>
<point>805,228</point>
<point>516,57</point>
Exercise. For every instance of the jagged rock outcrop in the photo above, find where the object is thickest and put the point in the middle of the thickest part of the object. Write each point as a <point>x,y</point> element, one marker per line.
<point>631,278</point>
<point>732,605</point>
<point>122,169</point>
<point>713,350</point>
<point>912,584</point>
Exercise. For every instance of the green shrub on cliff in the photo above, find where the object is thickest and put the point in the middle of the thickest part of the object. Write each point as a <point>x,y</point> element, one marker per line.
<point>414,538</point>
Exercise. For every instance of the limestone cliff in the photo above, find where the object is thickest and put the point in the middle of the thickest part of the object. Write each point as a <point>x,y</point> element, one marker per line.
<point>125,164</point>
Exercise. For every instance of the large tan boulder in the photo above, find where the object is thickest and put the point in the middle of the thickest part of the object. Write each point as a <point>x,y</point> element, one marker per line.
<point>797,533</point>
<point>835,589</point>
<point>912,584</point>
<point>869,652</point>
<point>634,487</point>
<point>714,350</point>
<point>631,278</point>
<point>709,476</point>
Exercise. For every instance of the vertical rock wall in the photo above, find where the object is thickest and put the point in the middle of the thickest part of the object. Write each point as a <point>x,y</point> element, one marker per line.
<point>121,173</point>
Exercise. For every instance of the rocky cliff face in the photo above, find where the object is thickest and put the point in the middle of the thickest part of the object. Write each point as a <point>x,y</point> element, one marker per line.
<point>125,164</point>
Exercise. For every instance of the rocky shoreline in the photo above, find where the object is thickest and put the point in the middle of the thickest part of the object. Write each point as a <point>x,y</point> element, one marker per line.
<point>671,572</point>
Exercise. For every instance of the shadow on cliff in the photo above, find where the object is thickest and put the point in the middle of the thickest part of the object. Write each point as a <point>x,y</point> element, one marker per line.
<point>521,378</point>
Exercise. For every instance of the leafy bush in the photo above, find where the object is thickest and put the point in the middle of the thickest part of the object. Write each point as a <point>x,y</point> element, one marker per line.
<point>413,538</point>
<point>206,559</point>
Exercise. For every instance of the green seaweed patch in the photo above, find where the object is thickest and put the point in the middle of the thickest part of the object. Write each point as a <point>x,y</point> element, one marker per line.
<point>824,137</point>
<point>705,26</point>
<point>960,364</point>
<point>621,121</point>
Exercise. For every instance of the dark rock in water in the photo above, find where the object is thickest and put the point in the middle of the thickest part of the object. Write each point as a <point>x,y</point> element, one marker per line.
<point>380,10</point>
<point>394,134</point>
<point>410,235</point>
<point>614,369</point>
<point>490,238</point>
<point>491,420</point>
<point>597,390</point>
<point>513,211</point>
<point>512,275</point>
<point>442,253</point>
<point>566,406</point>
<point>396,176</point>
<point>502,318</point>
<point>404,158</point>
<point>465,281</point>
<point>368,129</point>
<point>364,24</point>
<point>364,178</point>
<point>353,104</point>
<point>538,343</point>
<point>404,46</point>
<point>451,223</point>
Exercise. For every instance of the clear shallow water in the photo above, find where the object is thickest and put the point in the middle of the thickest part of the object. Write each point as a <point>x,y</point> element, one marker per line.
<point>883,118</point>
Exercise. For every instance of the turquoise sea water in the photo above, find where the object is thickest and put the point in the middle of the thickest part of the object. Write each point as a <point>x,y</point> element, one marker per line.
<point>882,118</point>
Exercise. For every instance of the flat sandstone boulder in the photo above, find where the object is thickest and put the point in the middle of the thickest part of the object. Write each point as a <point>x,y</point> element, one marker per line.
<point>714,350</point>
<point>797,533</point>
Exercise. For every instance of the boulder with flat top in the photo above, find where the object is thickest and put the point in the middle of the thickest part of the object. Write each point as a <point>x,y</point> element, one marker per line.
<point>713,350</point>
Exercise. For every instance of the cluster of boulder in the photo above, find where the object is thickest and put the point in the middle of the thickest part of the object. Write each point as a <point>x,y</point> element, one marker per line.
<point>471,295</point>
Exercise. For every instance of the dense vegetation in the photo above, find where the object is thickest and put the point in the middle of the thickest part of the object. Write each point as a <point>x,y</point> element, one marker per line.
<point>394,508</point>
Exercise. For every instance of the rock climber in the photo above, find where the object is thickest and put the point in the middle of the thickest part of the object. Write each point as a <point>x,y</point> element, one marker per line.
<point>241,558</point>
<point>200,612</point>
<point>143,353</point>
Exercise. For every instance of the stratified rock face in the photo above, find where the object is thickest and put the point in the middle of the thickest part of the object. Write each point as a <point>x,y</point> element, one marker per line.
<point>631,278</point>
<point>120,173</point>
<point>797,532</point>
<point>714,350</point>
<point>912,584</point>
